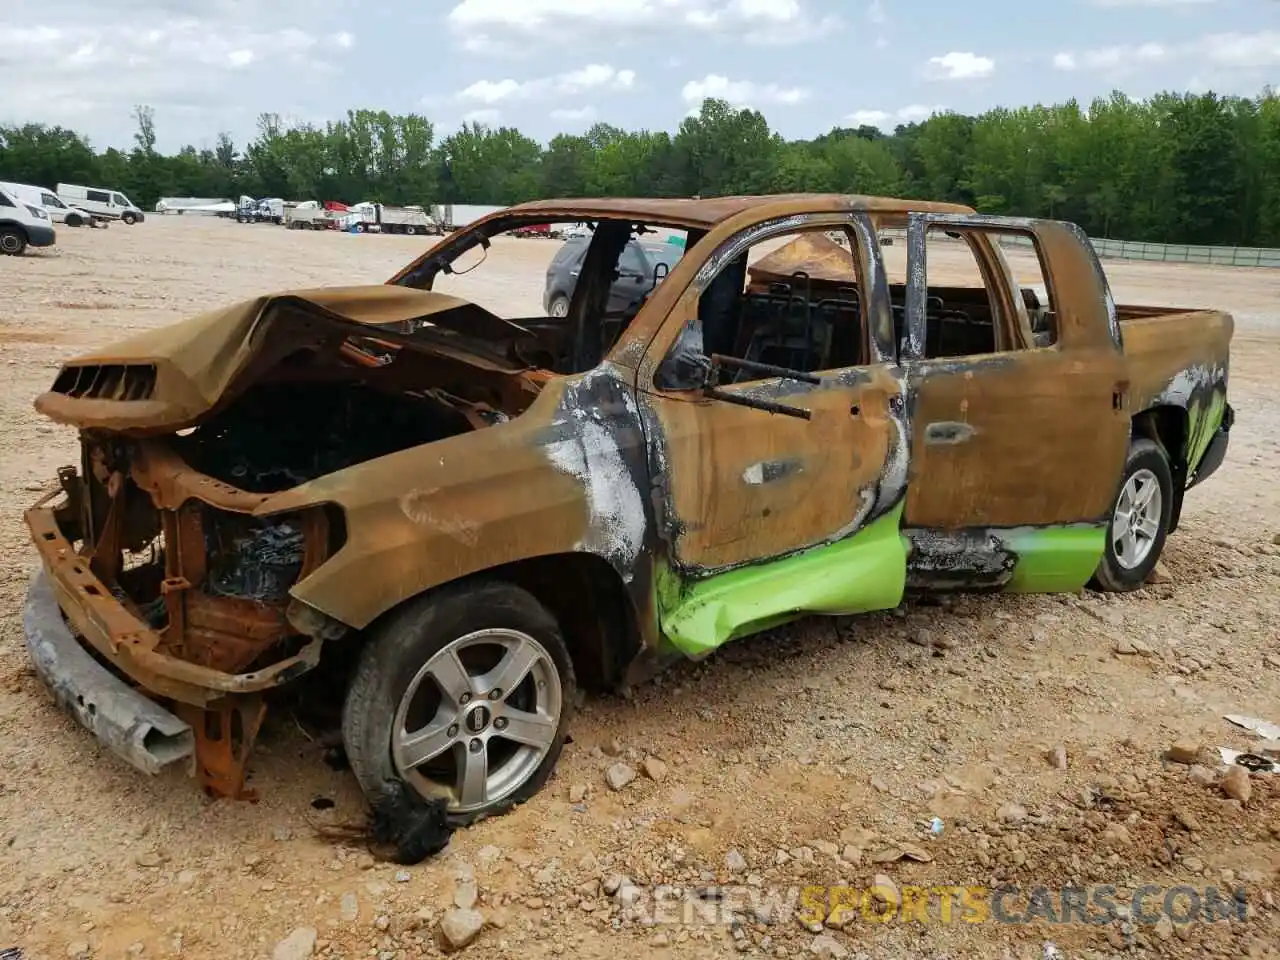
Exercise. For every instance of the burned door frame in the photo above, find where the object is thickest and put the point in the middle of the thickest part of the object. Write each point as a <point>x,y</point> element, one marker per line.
<point>1015,455</point>
<point>765,516</point>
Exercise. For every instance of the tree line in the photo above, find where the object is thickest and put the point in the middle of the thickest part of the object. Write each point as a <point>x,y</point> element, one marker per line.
<point>1176,168</point>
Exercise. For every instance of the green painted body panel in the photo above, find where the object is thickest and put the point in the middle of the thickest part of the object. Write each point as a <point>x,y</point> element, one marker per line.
<point>864,572</point>
<point>1202,423</point>
<point>1055,559</point>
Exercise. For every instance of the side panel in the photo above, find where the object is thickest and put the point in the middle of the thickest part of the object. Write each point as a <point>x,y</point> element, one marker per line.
<point>1181,360</point>
<point>569,475</point>
<point>863,572</point>
<point>743,485</point>
<point>1047,559</point>
<point>763,517</point>
<point>1032,435</point>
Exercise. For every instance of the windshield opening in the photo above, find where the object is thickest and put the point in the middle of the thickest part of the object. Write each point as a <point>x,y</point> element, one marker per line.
<point>532,272</point>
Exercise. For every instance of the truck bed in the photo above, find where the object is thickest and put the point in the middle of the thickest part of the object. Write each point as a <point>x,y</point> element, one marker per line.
<point>1158,342</point>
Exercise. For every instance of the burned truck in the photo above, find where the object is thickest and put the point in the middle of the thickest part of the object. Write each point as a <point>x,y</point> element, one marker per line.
<point>482,514</point>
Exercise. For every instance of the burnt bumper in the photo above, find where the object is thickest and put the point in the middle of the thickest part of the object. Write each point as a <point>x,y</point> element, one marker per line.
<point>140,731</point>
<point>128,643</point>
<point>1217,449</point>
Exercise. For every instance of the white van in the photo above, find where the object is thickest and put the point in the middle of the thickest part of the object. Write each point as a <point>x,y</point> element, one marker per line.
<point>23,224</point>
<point>101,202</point>
<point>58,211</point>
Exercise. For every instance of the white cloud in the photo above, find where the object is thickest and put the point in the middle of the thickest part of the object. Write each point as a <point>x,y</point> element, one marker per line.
<point>740,93</point>
<point>521,26</point>
<point>868,118</point>
<point>960,65</point>
<point>917,112</point>
<point>573,114</point>
<point>1114,60</point>
<point>913,113</point>
<point>486,116</point>
<point>593,77</point>
<point>1225,52</point>
<point>1242,51</point>
<point>203,66</point>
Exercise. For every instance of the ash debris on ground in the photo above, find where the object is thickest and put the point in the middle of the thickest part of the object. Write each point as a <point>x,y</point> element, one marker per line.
<point>262,566</point>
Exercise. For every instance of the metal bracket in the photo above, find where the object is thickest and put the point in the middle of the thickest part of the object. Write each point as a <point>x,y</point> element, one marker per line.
<point>225,736</point>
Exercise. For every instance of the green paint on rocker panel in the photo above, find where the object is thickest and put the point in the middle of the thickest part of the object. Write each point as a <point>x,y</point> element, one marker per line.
<point>1058,559</point>
<point>1202,423</point>
<point>863,572</point>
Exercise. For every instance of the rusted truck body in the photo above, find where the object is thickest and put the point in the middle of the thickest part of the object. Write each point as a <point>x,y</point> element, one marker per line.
<point>492,512</point>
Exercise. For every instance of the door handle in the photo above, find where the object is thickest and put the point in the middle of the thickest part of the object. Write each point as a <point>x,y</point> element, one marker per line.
<point>947,431</point>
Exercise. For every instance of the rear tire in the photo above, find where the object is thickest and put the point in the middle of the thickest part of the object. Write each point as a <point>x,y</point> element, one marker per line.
<point>398,695</point>
<point>13,241</point>
<point>1139,522</point>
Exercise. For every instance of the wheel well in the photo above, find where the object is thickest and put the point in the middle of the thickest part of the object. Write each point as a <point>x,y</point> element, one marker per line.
<point>14,225</point>
<point>585,595</point>
<point>1167,425</point>
<point>588,598</point>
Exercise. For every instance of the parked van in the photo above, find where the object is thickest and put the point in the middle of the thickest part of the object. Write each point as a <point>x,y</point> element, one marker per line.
<point>23,224</point>
<point>58,211</point>
<point>111,204</point>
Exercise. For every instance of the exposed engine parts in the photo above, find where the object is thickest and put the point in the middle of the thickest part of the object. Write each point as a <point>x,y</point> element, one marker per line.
<point>261,566</point>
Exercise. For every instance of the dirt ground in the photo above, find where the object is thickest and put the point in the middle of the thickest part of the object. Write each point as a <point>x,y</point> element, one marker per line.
<point>792,759</point>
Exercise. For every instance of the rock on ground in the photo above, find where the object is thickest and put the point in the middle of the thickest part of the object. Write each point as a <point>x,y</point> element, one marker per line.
<point>458,927</point>
<point>298,945</point>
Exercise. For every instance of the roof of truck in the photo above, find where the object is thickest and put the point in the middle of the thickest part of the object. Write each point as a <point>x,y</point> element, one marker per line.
<point>705,213</point>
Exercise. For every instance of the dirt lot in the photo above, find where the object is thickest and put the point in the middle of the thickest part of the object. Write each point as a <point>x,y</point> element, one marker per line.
<point>791,759</point>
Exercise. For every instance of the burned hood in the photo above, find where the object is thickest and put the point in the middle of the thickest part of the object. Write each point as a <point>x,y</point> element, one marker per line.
<point>168,378</point>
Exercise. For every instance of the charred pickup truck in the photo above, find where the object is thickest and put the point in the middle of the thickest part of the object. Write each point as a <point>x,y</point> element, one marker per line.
<point>486,512</point>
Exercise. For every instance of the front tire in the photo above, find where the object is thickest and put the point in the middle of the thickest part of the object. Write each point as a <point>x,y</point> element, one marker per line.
<point>12,241</point>
<point>73,220</point>
<point>129,219</point>
<point>459,706</point>
<point>559,306</point>
<point>1139,521</point>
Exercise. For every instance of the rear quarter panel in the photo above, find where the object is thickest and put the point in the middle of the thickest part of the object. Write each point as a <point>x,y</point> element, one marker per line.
<point>1175,356</point>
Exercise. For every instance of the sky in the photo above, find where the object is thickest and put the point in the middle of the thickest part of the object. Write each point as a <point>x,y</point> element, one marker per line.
<point>550,66</point>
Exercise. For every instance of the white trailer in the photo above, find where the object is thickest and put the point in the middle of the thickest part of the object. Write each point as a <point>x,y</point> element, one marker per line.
<point>455,216</point>
<point>202,206</point>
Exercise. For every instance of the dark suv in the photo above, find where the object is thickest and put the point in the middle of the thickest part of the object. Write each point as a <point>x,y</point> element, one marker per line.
<point>638,273</point>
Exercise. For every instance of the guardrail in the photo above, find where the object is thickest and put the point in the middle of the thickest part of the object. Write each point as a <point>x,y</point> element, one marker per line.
<point>1183,253</point>
<point>1158,252</point>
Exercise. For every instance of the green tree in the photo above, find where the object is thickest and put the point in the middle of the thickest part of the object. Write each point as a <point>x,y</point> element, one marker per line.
<point>1190,168</point>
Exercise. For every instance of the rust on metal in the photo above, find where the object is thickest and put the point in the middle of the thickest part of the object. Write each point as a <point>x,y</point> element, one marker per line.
<point>225,734</point>
<point>263,478</point>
